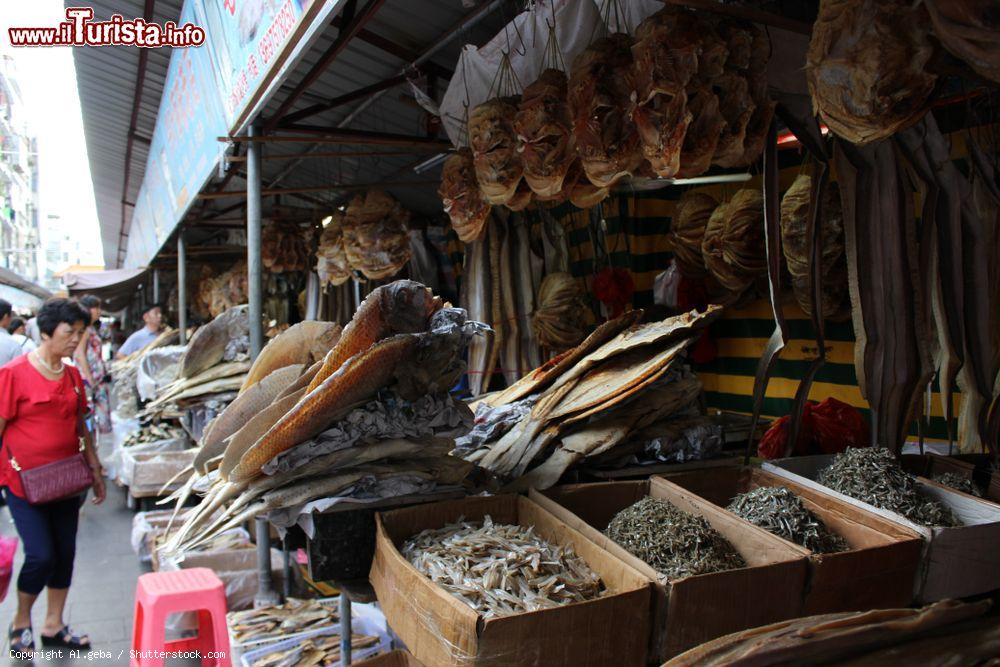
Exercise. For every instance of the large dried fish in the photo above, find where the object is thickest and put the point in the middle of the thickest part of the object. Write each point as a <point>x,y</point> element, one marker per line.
<point>476,298</point>
<point>675,543</point>
<point>499,569</point>
<point>302,343</point>
<point>208,344</point>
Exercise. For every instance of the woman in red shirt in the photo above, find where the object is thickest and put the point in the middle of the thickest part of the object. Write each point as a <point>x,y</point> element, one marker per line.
<point>42,411</point>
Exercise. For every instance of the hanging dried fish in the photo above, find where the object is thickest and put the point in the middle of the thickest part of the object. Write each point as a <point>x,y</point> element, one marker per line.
<point>285,246</point>
<point>779,511</point>
<point>494,148</point>
<point>545,133</point>
<point>970,30</point>
<point>559,320</point>
<point>500,569</point>
<point>331,257</point>
<point>465,205</point>
<point>377,235</point>
<point>688,231</point>
<point>733,245</point>
<point>867,67</point>
<point>675,543</point>
<point>873,475</point>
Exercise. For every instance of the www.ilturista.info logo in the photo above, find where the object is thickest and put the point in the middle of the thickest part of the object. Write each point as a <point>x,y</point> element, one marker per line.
<point>79,29</point>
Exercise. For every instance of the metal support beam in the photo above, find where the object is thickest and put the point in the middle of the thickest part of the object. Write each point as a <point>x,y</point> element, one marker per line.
<point>156,286</point>
<point>273,192</point>
<point>266,594</point>
<point>337,154</point>
<point>394,48</point>
<point>745,14</point>
<point>337,135</point>
<point>255,289</point>
<point>354,24</point>
<point>340,100</point>
<point>182,318</point>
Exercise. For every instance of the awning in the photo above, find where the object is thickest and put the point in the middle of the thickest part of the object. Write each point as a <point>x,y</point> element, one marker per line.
<point>116,288</point>
<point>20,293</point>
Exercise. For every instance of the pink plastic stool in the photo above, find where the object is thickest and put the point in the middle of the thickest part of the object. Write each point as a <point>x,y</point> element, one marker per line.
<point>159,594</point>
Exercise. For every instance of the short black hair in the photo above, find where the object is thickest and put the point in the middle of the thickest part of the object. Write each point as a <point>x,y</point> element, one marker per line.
<point>15,324</point>
<point>150,307</point>
<point>90,301</point>
<point>56,311</point>
<point>5,308</point>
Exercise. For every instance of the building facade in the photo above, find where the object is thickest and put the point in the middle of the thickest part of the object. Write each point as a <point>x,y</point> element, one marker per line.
<point>19,228</point>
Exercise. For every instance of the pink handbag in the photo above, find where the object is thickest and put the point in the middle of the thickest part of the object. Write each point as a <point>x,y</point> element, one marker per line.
<point>58,480</point>
<point>8,547</point>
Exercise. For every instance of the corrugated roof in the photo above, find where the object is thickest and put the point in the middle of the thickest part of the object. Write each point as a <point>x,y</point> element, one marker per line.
<point>106,79</point>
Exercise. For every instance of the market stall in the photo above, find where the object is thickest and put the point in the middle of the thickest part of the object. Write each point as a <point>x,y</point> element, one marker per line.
<point>637,241</point>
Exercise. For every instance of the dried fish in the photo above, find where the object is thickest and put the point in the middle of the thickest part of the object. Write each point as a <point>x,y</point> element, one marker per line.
<point>501,569</point>
<point>323,650</point>
<point>295,615</point>
<point>779,511</point>
<point>208,345</point>
<point>959,483</point>
<point>872,475</point>
<point>675,543</point>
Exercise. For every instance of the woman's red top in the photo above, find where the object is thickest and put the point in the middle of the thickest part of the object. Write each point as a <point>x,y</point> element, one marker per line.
<point>41,416</point>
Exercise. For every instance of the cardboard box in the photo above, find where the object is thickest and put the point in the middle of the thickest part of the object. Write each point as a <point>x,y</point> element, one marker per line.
<point>146,474</point>
<point>395,658</point>
<point>439,629</point>
<point>956,562</point>
<point>692,610</point>
<point>879,570</point>
<point>976,467</point>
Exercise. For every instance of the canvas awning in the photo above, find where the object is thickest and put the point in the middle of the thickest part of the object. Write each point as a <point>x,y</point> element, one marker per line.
<point>20,293</point>
<point>116,288</point>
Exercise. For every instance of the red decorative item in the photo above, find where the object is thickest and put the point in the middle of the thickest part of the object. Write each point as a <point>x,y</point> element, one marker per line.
<point>614,288</point>
<point>829,427</point>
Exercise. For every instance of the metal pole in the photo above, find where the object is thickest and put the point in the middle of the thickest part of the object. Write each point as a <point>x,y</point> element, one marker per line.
<point>156,285</point>
<point>181,288</point>
<point>266,595</point>
<point>313,295</point>
<point>345,629</point>
<point>255,290</point>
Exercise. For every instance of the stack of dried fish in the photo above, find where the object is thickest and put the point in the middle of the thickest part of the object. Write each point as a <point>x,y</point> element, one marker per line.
<point>779,511</point>
<point>873,475</point>
<point>675,543</point>
<point>154,432</point>
<point>293,616</point>
<point>465,205</point>
<point>321,650</point>
<point>285,246</point>
<point>373,419</point>
<point>733,244</point>
<point>794,218</point>
<point>867,67</point>
<point>687,232</point>
<point>559,321</point>
<point>500,569</point>
<point>331,258</point>
<point>683,436</point>
<point>586,401</point>
<point>377,235</point>
<point>959,483</point>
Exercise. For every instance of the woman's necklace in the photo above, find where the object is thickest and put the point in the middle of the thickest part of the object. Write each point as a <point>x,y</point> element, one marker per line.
<point>54,371</point>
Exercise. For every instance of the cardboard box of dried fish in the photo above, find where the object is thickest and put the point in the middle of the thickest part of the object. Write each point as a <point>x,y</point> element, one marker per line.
<point>959,530</point>
<point>859,560</point>
<point>952,472</point>
<point>233,539</point>
<point>499,580</point>
<point>251,629</point>
<point>149,474</point>
<point>713,573</point>
<point>321,647</point>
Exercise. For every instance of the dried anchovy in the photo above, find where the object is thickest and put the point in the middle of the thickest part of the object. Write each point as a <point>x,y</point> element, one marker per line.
<point>959,483</point>
<point>673,542</point>
<point>779,511</point>
<point>501,569</point>
<point>872,475</point>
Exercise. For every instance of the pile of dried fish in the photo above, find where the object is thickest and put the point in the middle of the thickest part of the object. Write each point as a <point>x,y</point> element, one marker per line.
<point>500,569</point>
<point>620,379</point>
<point>293,616</point>
<point>873,475</point>
<point>322,650</point>
<point>154,432</point>
<point>377,235</point>
<point>959,483</point>
<point>779,511</point>
<point>336,428</point>
<point>675,543</point>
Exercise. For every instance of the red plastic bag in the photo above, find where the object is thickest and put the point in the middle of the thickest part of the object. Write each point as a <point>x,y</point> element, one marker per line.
<point>8,547</point>
<point>837,426</point>
<point>829,427</point>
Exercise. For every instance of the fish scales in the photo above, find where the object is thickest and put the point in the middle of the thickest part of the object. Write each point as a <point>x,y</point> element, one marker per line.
<point>302,343</point>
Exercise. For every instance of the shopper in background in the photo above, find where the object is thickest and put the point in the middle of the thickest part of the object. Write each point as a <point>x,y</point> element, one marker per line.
<point>9,349</point>
<point>152,317</point>
<point>31,331</point>
<point>89,359</point>
<point>42,412</point>
<point>17,332</point>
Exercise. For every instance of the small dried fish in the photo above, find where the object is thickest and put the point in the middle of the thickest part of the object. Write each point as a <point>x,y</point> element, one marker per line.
<point>959,483</point>
<point>779,511</point>
<point>675,543</point>
<point>293,616</point>
<point>501,569</point>
<point>872,475</point>
<point>323,650</point>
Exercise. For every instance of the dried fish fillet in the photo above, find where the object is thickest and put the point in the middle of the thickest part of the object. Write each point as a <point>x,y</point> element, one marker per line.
<point>500,569</point>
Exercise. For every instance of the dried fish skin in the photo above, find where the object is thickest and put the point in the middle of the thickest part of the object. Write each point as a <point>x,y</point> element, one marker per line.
<point>872,475</point>
<point>866,67</point>
<point>501,569</point>
<point>675,543</point>
<point>302,343</point>
<point>779,511</point>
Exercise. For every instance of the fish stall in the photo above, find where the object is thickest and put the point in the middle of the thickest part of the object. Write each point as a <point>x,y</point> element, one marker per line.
<point>684,351</point>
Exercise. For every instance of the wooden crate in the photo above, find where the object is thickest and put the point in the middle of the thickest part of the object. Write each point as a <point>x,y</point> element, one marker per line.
<point>692,610</point>
<point>956,562</point>
<point>879,570</point>
<point>439,629</point>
